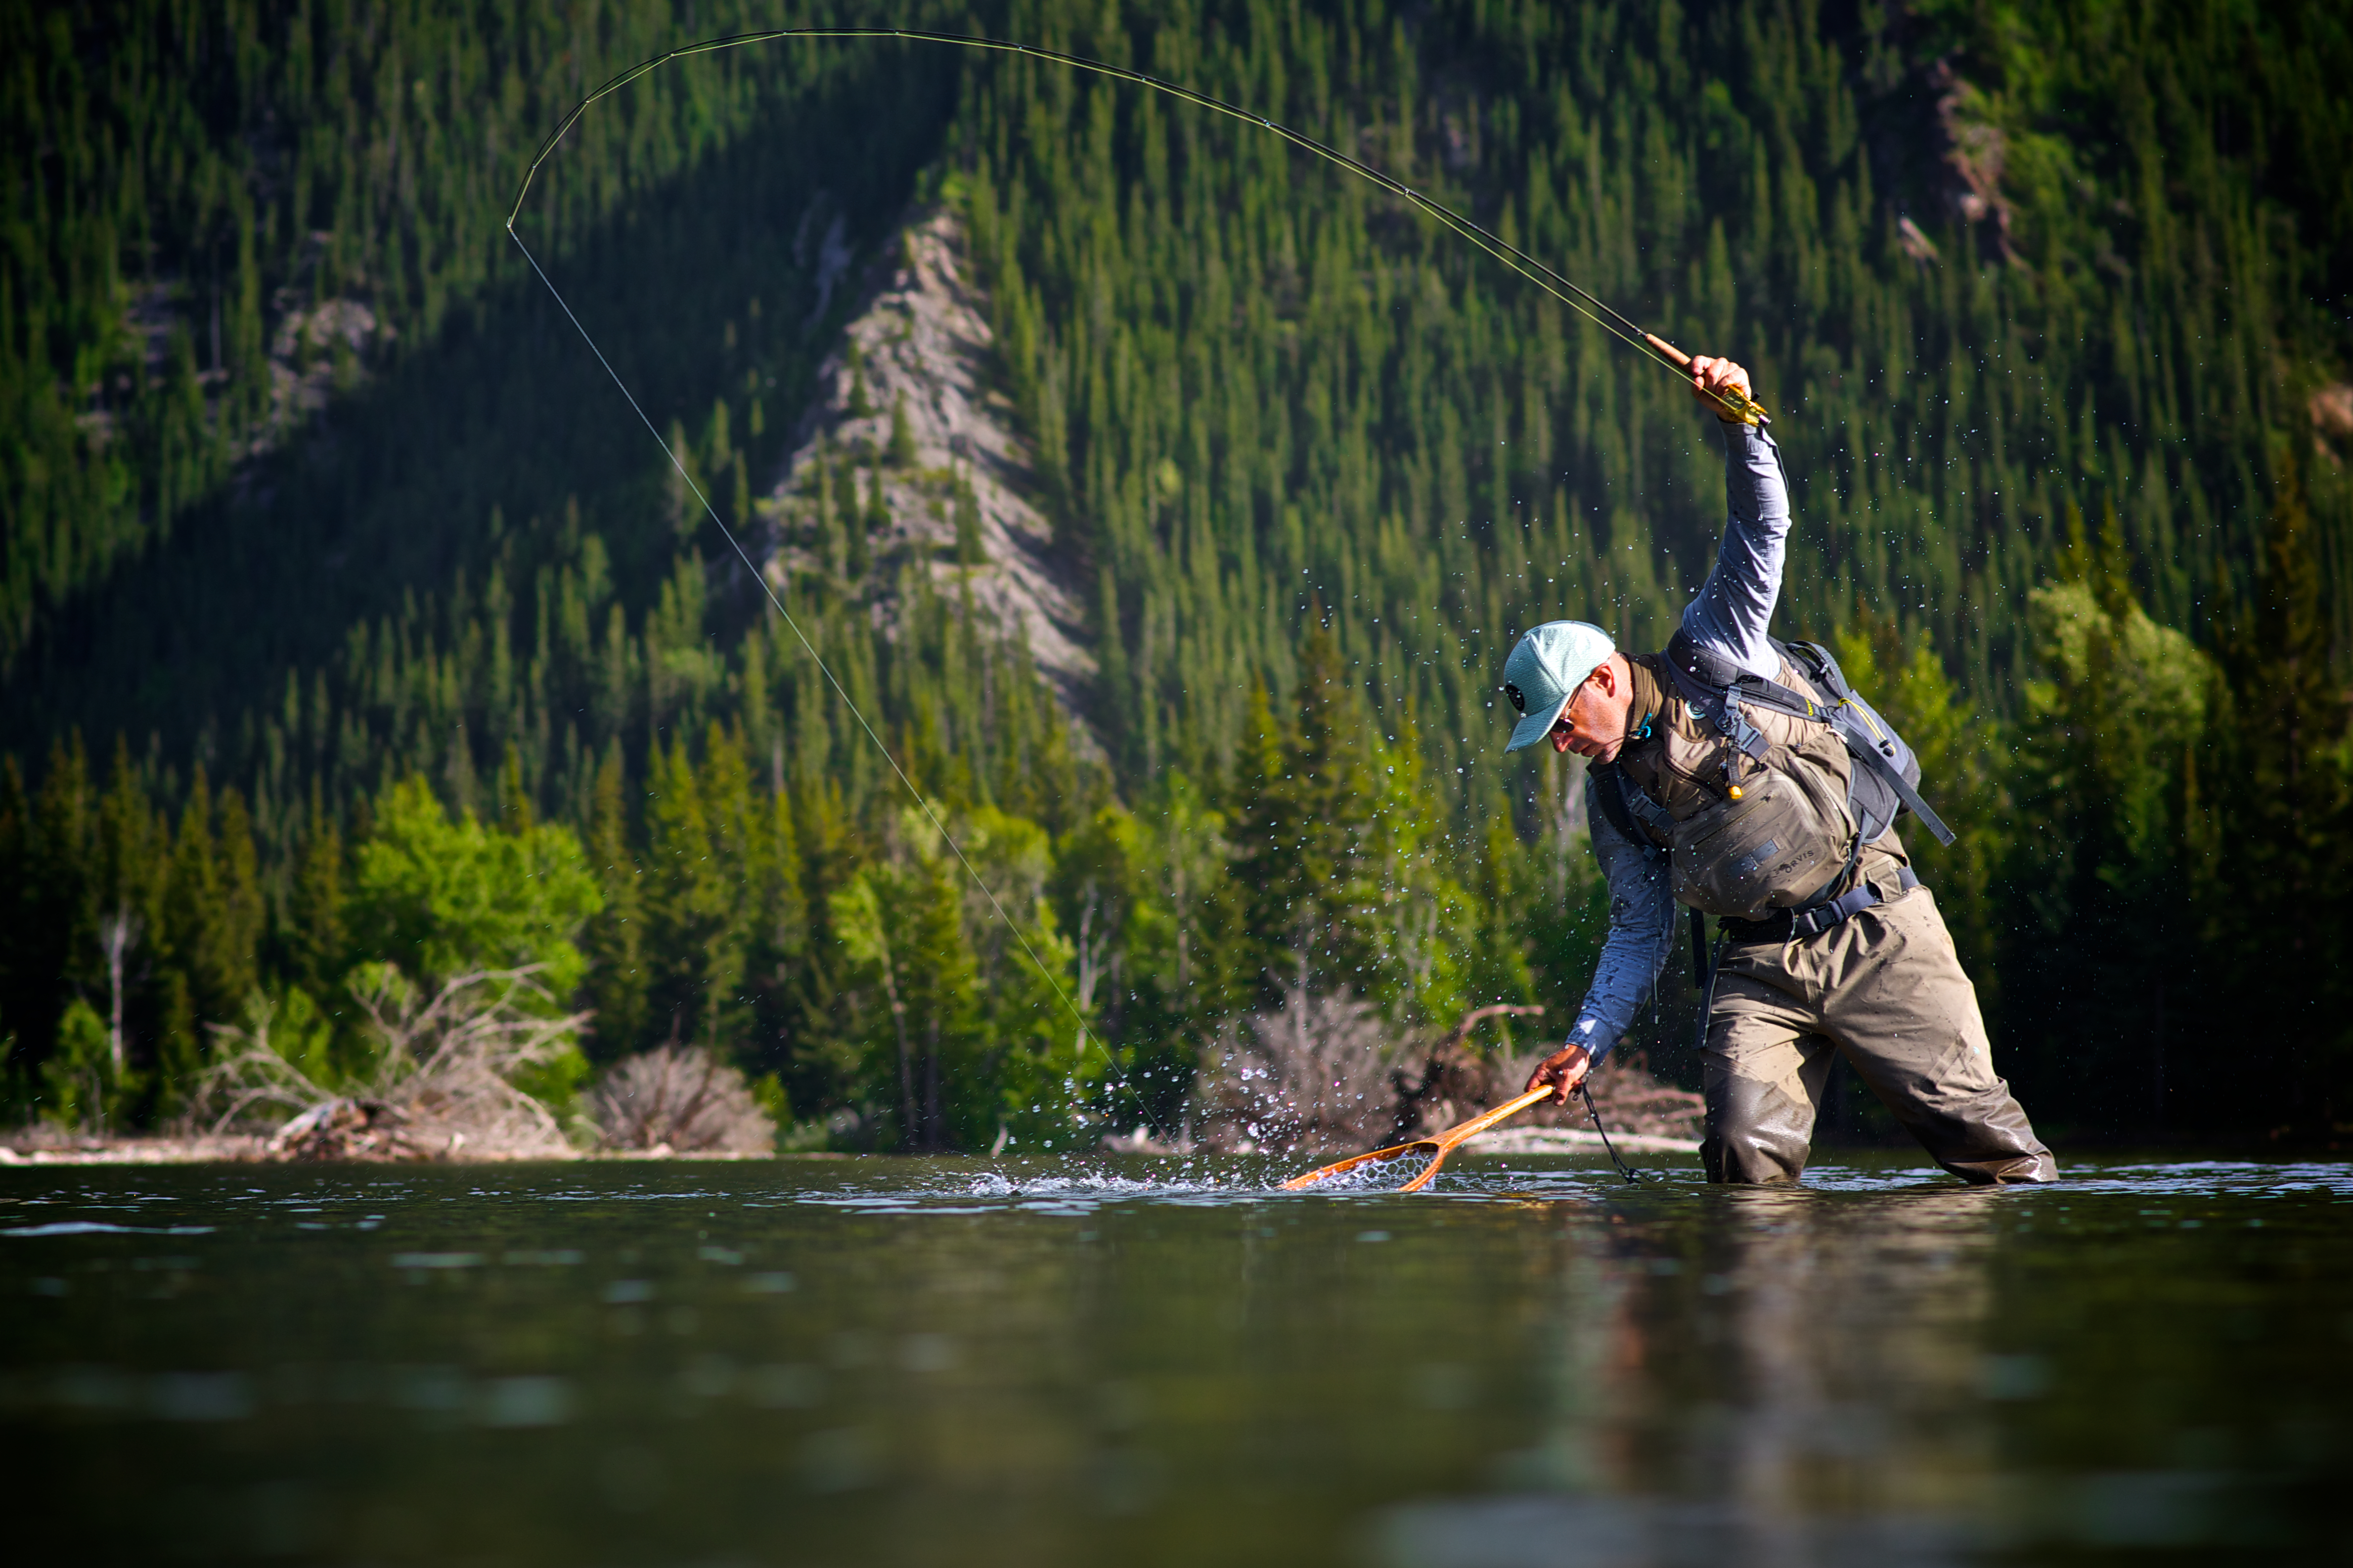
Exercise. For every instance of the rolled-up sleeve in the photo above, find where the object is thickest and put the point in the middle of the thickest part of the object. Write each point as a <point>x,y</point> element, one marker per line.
<point>1641,931</point>
<point>1735,608</point>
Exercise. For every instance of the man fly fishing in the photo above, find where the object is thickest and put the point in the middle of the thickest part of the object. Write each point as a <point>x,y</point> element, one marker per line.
<point>1740,777</point>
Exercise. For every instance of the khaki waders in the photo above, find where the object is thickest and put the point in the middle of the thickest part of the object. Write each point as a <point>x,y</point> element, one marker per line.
<point>1884,988</point>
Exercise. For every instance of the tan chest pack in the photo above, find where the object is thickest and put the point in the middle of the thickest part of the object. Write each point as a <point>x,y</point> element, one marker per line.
<point>1745,835</point>
<point>1763,792</point>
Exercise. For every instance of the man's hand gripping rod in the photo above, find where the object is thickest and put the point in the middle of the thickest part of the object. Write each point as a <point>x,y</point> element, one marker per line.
<point>1736,404</point>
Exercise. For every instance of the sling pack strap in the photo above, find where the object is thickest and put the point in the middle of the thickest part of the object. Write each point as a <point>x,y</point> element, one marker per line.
<point>1623,800</point>
<point>1619,799</point>
<point>1708,679</point>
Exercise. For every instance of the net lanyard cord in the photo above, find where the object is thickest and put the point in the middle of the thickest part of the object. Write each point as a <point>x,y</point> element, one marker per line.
<point>1577,299</point>
<point>1625,1170</point>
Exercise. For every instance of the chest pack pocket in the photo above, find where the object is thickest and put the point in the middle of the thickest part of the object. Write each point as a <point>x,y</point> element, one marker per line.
<point>1886,780</point>
<point>1787,843</point>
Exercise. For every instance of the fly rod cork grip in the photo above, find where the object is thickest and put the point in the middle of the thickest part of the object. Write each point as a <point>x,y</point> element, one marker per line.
<point>1734,405</point>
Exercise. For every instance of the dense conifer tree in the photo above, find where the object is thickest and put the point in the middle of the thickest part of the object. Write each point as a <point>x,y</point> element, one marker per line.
<point>2277,867</point>
<point>619,981</point>
<point>1309,821</point>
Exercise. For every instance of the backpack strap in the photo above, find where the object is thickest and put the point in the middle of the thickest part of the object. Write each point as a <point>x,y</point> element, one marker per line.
<point>1884,766</point>
<point>1609,788</point>
<point>1716,685</point>
<point>1823,670</point>
<point>1814,661</point>
<point>1621,800</point>
<point>1706,678</point>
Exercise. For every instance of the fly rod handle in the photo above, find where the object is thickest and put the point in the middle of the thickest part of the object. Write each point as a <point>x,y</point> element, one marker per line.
<point>1668,352</point>
<point>1741,408</point>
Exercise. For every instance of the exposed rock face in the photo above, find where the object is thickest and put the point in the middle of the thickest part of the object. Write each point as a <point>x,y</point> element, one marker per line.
<point>1974,156</point>
<point>1917,245</point>
<point>908,400</point>
<point>318,351</point>
<point>315,353</point>
<point>1939,154</point>
<point>2332,421</point>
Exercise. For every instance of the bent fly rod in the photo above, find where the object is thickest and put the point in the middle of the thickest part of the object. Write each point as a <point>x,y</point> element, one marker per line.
<point>1647,344</point>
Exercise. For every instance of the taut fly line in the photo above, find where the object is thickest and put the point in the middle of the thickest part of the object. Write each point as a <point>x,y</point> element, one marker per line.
<point>1650,345</point>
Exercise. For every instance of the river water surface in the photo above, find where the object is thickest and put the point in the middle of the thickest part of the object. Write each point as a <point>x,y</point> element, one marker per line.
<point>908,1361</point>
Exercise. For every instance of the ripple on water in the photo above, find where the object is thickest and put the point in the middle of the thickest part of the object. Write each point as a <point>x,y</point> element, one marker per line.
<point>1195,1182</point>
<point>95,1228</point>
<point>1206,1181</point>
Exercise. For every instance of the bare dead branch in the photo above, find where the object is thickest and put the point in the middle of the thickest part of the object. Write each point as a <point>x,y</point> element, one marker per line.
<point>441,1080</point>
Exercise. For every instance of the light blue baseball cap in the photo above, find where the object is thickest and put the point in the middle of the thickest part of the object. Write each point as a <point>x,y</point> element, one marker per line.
<point>1549,662</point>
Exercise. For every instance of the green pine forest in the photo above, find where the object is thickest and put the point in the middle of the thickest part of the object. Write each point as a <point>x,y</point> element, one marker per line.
<point>349,616</point>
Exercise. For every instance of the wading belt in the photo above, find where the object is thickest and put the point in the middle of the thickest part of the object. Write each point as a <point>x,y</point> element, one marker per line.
<point>1815,918</point>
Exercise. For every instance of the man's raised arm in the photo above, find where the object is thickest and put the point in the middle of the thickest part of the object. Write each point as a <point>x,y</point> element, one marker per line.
<point>1734,605</point>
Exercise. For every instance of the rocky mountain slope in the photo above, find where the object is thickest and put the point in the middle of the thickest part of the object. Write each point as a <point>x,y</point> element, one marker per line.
<point>908,458</point>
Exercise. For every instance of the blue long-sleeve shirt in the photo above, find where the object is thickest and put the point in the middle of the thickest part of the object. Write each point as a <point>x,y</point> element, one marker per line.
<point>1731,615</point>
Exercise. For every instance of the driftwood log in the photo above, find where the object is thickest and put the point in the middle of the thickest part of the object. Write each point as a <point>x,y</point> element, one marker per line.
<point>354,1129</point>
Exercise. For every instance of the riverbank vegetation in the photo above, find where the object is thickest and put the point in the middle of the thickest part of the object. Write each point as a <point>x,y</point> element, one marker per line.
<point>346,624</point>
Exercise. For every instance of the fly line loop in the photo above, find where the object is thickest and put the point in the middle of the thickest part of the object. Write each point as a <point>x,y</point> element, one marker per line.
<point>1649,345</point>
<point>1085,1034</point>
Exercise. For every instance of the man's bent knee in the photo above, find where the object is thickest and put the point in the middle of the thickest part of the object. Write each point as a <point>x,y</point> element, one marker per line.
<point>1757,1133</point>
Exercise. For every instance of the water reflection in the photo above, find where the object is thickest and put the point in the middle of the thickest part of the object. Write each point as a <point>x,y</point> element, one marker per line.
<point>909,1360</point>
<point>1844,1340</point>
<point>1782,1378</point>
